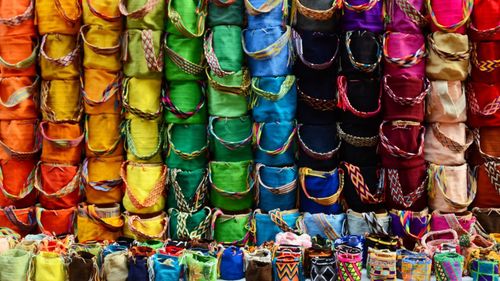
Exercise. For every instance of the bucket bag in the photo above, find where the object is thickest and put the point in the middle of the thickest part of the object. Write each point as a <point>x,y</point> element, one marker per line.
<point>231,229</point>
<point>143,140</point>
<point>60,101</point>
<point>372,222</point>
<point>141,98</point>
<point>221,12</point>
<point>416,268</point>
<point>19,139</point>
<point>184,58</point>
<point>143,53</point>
<point>101,48</point>
<point>274,99</point>
<point>18,56</point>
<point>446,144</point>
<point>138,263</point>
<point>16,264</point>
<point>101,92</point>
<point>316,15</point>
<point>316,50</point>
<point>410,226</point>
<point>360,53</point>
<point>381,265</point>
<point>403,97</point>
<point>165,267</point>
<point>485,63</point>
<point>276,187</point>
<point>60,57</point>
<point>447,18</point>
<point>223,49</point>
<point>446,102</point>
<point>231,263</point>
<point>115,263</point>
<point>274,143</point>
<point>330,227</point>
<point>99,223</point>
<point>182,108</point>
<point>200,267</point>
<point>188,226</point>
<point>17,179</point>
<point>231,89</point>
<point>145,227</point>
<point>231,185</point>
<point>21,221</point>
<point>449,55</point>
<point>144,14</point>
<point>58,185</point>
<point>320,191</point>
<point>101,180</point>
<point>265,13</point>
<point>434,242</point>
<point>406,16</point>
<point>287,265</point>
<point>49,265</point>
<point>483,25</point>
<point>316,96</point>
<point>488,218</point>
<point>17,98</point>
<point>58,16</point>
<point>187,190</point>
<point>364,189</point>
<point>61,142</point>
<point>103,136</point>
<point>363,15</point>
<point>401,144</point>
<point>482,100</point>
<point>56,222</point>
<point>404,54</point>
<point>83,265</point>
<point>359,143</point>
<point>358,99</point>
<point>230,138</point>
<point>187,18</point>
<point>406,189</point>
<point>319,153</point>
<point>383,244</point>
<point>187,146</point>
<point>276,221</point>
<point>258,265</point>
<point>105,13</point>
<point>448,266</point>
<point>17,18</point>
<point>350,266</point>
<point>461,223</point>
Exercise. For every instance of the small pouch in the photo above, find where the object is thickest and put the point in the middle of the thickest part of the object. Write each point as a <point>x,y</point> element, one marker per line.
<point>381,265</point>
<point>431,244</point>
<point>50,266</point>
<point>165,267</point>
<point>16,264</point>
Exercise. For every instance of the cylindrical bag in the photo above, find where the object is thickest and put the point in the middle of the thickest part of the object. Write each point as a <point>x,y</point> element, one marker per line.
<point>21,221</point>
<point>144,14</point>
<point>416,268</point>
<point>435,245</point>
<point>403,253</point>
<point>187,190</point>
<point>259,266</point>
<point>101,91</point>
<point>274,99</point>
<point>60,101</point>
<point>58,17</point>
<point>231,263</point>
<point>189,226</point>
<point>61,142</point>
<point>144,187</point>
<point>448,56</point>
<point>59,57</point>
<point>360,53</point>
<point>488,218</point>
<point>316,15</point>
<point>448,266</point>
<point>17,98</point>
<point>184,58</point>
<point>404,54</point>
<point>101,180</point>
<point>446,102</point>
<point>287,266</point>
<point>326,226</point>
<point>275,143</point>
<point>146,227</point>
<point>115,264</point>
<point>487,194</point>
<point>315,50</point>
<point>187,18</point>
<point>401,144</point>
<point>101,47</point>
<point>200,267</point>
<point>18,56</point>
<point>231,185</point>
<point>231,229</point>
<point>485,62</point>
<point>276,187</point>
<point>359,99</point>
<point>381,265</point>
<point>83,266</point>
<point>165,267</point>
<point>105,13</point>
<point>99,223</point>
<point>484,25</point>
<point>461,223</point>
<point>451,188</point>
<point>19,139</point>
<point>58,185</point>
<point>231,90</point>
<point>483,104</point>
<point>448,16</point>
<point>103,136</point>
<point>143,54</point>
<point>349,266</point>
<point>269,50</point>
<point>265,13</point>
<point>17,18</point>
<point>409,225</point>
<point>373,223</point>
<point>364,189</point>
<point>138,263</point>
<point>49,266</point>
<point>359,143</point>
<point>406,16</point>
<point>318,153</point>
<point>324,268</point>
<point>379,243</point>
<point>363,15</point>
<point>276,221</point>
<point>143,140</point>
<point>17,178</point>
<point>230,138</point>
<point>141,98</point>
<point>187,146</point>
<point>403,97</point>
<point>15,265</point>
<point>484,269</point>
<point>446,143</point>
<point>320,191</point>
<point>222,12</point>
<point>406,189</point>
<point>223,49</point>
<point>56,222</point>
<point>185,103</point>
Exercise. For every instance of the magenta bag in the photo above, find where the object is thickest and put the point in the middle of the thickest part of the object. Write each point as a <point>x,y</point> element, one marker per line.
<point>403,98</point>
<point>363,15</point>
<point>404,54</point>
<point>450,15</point>
<point>462,223</point>
<point>410,19</point>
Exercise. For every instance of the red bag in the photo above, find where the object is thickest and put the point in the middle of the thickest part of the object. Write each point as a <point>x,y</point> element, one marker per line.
<point>406,189</point>
<point>17,179</point>
<point>59,185</point>
<point>56,222</point>
<point>17,98</point>
<point>403,98</point>
<point>18,139</point>
<point>486,62</point>
<point>485,24</point>
<point>484,105</point>
<point>401,144</point>
<point>21,221</point>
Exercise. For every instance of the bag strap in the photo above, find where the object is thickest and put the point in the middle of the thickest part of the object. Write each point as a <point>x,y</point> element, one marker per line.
<point>62,191</point>
<point>285,88</point>
<point>91,212</point>
<point>467,10</point>
<point>132,219</point>
<point>179,113</point>
<point>437,178</point>
<point>231,145</point>
<point>406,101</point>
<point>257,137</point>
<point>199,198</point>
<point>64,14</point>
<point>365,67</point>
<point>104,51</point>
<point>316,155</point>
<point>278,190</point>
<point>153,61</point>
<point>488,110</point>
<point>198,232</point>
<point>19,19</point>
<point>130,143</point>
<point>271,50</point>
<point>453,223</point>
<point>184,64</point>
<point>134,110</point>
<point>318,15</point>
<point>322,221</point>
<point>396,151</point>
<point>405,61</point>
<point>184,155</point>
<point>176,19</point>
<point>405,218</point>
<point>483,65</point>
<point>113,88</point>
<point>456,56</point>
<point>374,223</point>
<point>49,112</point>
<point>63,61</point>
<point>233,194</point>
<point>99,152</point>
<point>14,219</point>
<point>299,49</point>
<point>23,155</point>
<point>355,140</point>
<point>141,12</point>
<point>242,89</point>
<point>21,94</point>
<point>492,170</point>
<point>61,143</point>
<point>154,194</point>
<point>23,63</point>
<point>324,201</point>
<point>39,210</point>
<point>266,7</point>
<point>362,189</point>
<point>211,56</point>
<point>315,103</point>
<point>412,13</point>
<point>450,143</point>
<point>276,217</point>
<point>397,192</point>
<point>26,189</point>
<point>101,15</point>
<point>360,8</point>
<point>218,213</point>
<point>104,186</point>
<point>344,103</point>
<point>484,34</point>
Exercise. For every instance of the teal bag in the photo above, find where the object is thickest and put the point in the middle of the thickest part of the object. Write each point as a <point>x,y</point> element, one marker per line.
<point>189,226</point>
<point>185,103</point>
<point>276,187</point>
<point>223,49</point>
<point>187,190</point>
<point>230,138</point>
<point>275,143</point>
<point>274,99</point>
<point>225,12</point>
<point>228,95</point>
<point>276,221</point>
<point>187,146</point>
<point>164,267</point>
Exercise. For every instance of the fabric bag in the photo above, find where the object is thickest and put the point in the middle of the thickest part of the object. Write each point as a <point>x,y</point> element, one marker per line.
<point>410,226</point>
<point>231,229</point>
<point>59,57</point>
<point>17,18</point>
<point>222,47</point>
<point>359,143</point>
<point>452,19</point>
<point>406,188</point>
<point>274,143</point>
<point>483,25</point>
<point>114,267</point>
<point>316,15</point>
<point>60,101</point>
<point>187,146</point>
<point>364,189</point>
<point>276,221</point>
<point>49,265</point>
<point>144,14</point>
<point>55,222</point>
<point>363,15</point>
<point>101,180</point>
<point>448,56</point>
<point>18,56</point>
<point>200,267</point>
<point>316,96</point>
<point>103,136</point>
<point>19,139</point>
<point>21,221</point>
<point>143,140</point>
<point>58,17</point>
<point>141,98</point>
<point>488,218</point>
<point>184,58</point>
<point>101,91</point>
<point>58,185</point>
<point>403,97</point>
<point>431,244</point>
<point>319,153</point>
<point>165,267</point>
<point>488,193</point>
<point>404,54</point>
<point>61,142</point>
<point>17,98</point>
<point>231,89</point>
<point>406,16</point>
<point>17,179</point>
<point>360,53</point>
<point>417,268</point>
<point>264,13</point>
<point>143,54</point>
<point>182,108</point>
<point>320,191</point>
<point>188,226</point>
<point>446,144</point>
<point>274,99</point>
<point>276,187</point>
<point>187,190</point>
<point>101,47</point>
<point>482,100</point>
<point>373,222</point>
<point>105,13</point>
<point>381,265</point>
<point>187,18</point>
<point>231,263</point>
<point>484,60</point>
<point>461,223</point>
<point>350,266</point>
<point>98,223</point>
<point>315,50</point>
<point>401,144</point>
<point>259,265</point>
<point>326,226</point>
<point>446,102</point>
<point>359,100</point>
<point>146,227</point>
<point>230,138</point>
<point>448,266</point>
<point>16,264</point>
<point>222,12</point>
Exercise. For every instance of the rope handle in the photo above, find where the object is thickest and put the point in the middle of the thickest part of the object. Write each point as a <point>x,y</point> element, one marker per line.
<point>344,103</point>
<point>257,137</point>
<point>91,212</point>
<point>61,143</point>
<point>453,223</point>
<point>68,188</point>
<point>322,221</point>
<point>278,190</point>
<point>141,12</point>
<point>50,114</point>
<point>21,94</point>
<point>233,194</point>
<point>199,231</point>
<point>19,19</point>
<point>467,10</point>
<point>457,56</point>
<point>154,62</point>
<point>316,103</point>
<point>406,101</point>
<point>319,15</point>
<point>184,155</point>
<point>271,50</point>
<point>439,232</point>
<point>105,51</point>
<point>405,61</point>
<point>211,56</point>
<point>285,88</point>
<point>132,219</point>
<point>101,15</point>
<point>493,173</point>
<point>316,155</point>
<point>199,197</point>
<point>23,155</point>
<point>242,89</point>
<point>11,215</point>
<point>484,34</point>
<point>231,145</point>
<point>66,59</point>
<point>27,188</point>
<point>104,186</point>
<point>134,110</point>
<point>266,7</point>
<point>395,150</point>
<point>365,67</point>
<point>276,217</point>
<point>297,42</point>
<point>411,12</point>
<point>155,192</point>
<point>355,140</point>
<point>111,89</point>
<point>360,8</point>
<point>130,143</point>
<point>437,178</point>
<point>104,151</point>
<point>176,19</point>
<point>450,143</point>
<point>64,14</point>
<point>23,63</point>
<point>182,63</point>
<point>488,110</point>
<point>324,201</point>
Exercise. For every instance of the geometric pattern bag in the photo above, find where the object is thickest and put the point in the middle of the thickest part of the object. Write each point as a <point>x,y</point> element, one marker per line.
<point>448,266</point>
<point>188,226</point>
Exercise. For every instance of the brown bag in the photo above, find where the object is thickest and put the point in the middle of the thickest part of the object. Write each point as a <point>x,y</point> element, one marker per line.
<point>488,218</point>
<point>259,265</point>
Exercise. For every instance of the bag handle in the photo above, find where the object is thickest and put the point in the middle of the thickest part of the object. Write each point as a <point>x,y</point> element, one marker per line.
<point>397,192</point>
<point>276,217</point>
<point>439,232</point>
<point>242,89</point>
<point>39,210</point>
<point>23,63</point>
<point>199,197</point>
<point>113,88</point>
<point>487,157</point>
<point>132,219</point>
<point>373,223</point>
<point>405,61</point>
<point>456,56</point>
<point>91,212</point>
<point>134,110</point>
<point>27,188</point>
<point>231,145</point>
<point>63,61</point>
<point>355,140</point>
<point>285,88</point>
<point>233,194</point>
<point>218,213</point>
<point>322,221</point>
<point>64,14</point>
<point>64,190</point>
<point>19,19</point>
<point>130,143</point>
<point>365,67</point>
<point>23,155</point>
<point>60,143</point>
<point>198,232</point>
<point>411,12</point>
<point>104,51</point>
<point>324,201</point>
<point>318,15</point>
<point>483,65</point>
<point>99,152</point>
<point>278,190</point>
<point>362,189</point>
<point>211,56</point>
<point>467,10</point>
<point>141,12</point>
<point>257,136</point>
<point>21,94</point>
<point>102,15</point>
<point>154,194</point>
<point>405,218</point>
<point>49,112</point>
<point>484,34</point>
<point>396,151</point>
<point>450,143</point>
<point>176,19</point>
<point>453,223</point>
<point>271,50</point>
<point>360,8</point>
<point>437,178</point>
<point>153,61</point>
<point>315,103</point>
<point>14,219</point>
<point>179,113</point>
<point>297,42</point>
<point>184,155</point>
<point>316,155</point>
<point>493,174</point>
<point>406,101</point>
<point>344,103</point>
<point>266,7</point>
<point>184,64</point>
<point>104,186</point>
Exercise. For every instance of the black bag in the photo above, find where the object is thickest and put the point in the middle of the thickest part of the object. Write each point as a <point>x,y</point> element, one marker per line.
<point>360,54</point>
<point>318,147</point>
<point>373,199</point>
<point>359,142</point>
<point>359,99</point>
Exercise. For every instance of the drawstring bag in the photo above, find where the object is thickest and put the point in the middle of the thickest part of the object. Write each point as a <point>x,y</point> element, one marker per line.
<point>360,53</point>
<point>381,265</point>
<point>21,221</point>
<point>315,50</point>
<point>143,140</point>
<point>316,15</point>
<point>144,14</point>
<point>141,98</point>
<point>143,53</point>
<point>258,265</point>
<point>61,142</point>
<point>16,265</point>
<point>446,144</point>
<point>406,16</point>
<point>276,221</point>
<point>269,50</point>
<point>488,218</point>
<point>222,47</point>
<point>50,266</point>
<point>315,152</point>
<point>182,108</point>
<point>231,229</point>
<point>287,264</point>
<point>164,267</point>
<point>60,101</point>
<point>324,268</point>
<point>231,263</point>
<point>416,268</point>
<point>404,54</point>
<point>56,222</point>
<point>99,223</point>
<point>364,189</point>
<point>101,92</point>
<point>265,13</point>
<point>326,226</point>
<point>227,95</point>
<point>58,16</point>
<point>410,225</point>
<point>187,190</point>
<point>114,264</point>
<point>274,99</point>
<point>359,99</point>
<point>145,227</point>
<point>350,266</point>
<point>200,267</point>
<point>19,139</point>
<point>221,12</point>
<point>83,266</point>
<point>451,16</point>
<point>105,13</point>
<point>363,15</point>
<point>406,188</point>
<point>449,55</point>
<point>138,263</point>
<point>102,135</point>
<point>401,144</point>
<point>446,102</point>
<point>403,97</point>
<point>18,56</point>
<point>101,180</point>
<point>60,57</point>
<point>372,222</point>
<point>187,146</point>
<point>187,18</point>
<point>484,269</point>
<point>17,179</point>
<point>320,191</point>
<point>17,18</point>
<point>58,185</point>
<point>448,266</point>
<point>484,24</point>
<point>189,226</point>
<point>144,187</point>
<point>461,223</point>
<point>274,143</point>
<point>485,63</point>
<point>230,138</point>
<point>359,143</point>
<point>276,187</point>
<point>101,47</point>
<point>482,100</point>
<point>17,98</point>
<point>184,58</point>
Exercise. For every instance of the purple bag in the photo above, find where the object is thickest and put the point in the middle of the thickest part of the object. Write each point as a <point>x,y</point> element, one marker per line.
<point>404,54</point>
<point>411,226</point>
<point>410,21</point>
<point>363,15</point>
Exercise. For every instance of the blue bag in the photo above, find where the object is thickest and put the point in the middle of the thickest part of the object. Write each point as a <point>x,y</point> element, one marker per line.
<point>320,191</point>
<point>274,99</point>
<point>231,264</point>
<point>268,225</point>
<point>138,268</point>
<point>275,143</point>
<point>165,267</point>
<point>113,248</point>
<point>272,15</point>
<point>276,187</point>
<point>269,51</point>
<point>354,241</point>
<point>326,226</point>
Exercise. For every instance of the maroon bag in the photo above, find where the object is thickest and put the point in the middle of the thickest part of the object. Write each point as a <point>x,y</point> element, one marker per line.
<point>401,144</point>
<point>406,189</point>
<point>403,98</point>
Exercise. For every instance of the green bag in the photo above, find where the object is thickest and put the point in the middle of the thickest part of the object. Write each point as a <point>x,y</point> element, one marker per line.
<point>187,146</point>
<point>185,103</point>
<point>187,190</point>
<point>223,49</point>
<point>230,138</point>
<point>15,265</point>
<point>200,267</point>
<point>144,14</point>
<point>153,244</point>
<point>228,95</point>
<point>143,54</point>
<point>189,226</point>
<point>186,17</point>
<point>184,58</point>
<point>231,229</point>
<point>232,185</point>
<point>142,140</point>
<point>225,12</point>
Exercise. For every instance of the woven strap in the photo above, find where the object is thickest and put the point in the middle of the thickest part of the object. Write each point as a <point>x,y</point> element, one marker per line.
<point>365,67</point>
<point>211,56</point>
<point>360,8</point>
<point>99,152</point>
<point>257,139</point>
<point>396,151</point>
<point>321,220</point>
<point>61,143</point>
<point>276,190</point>
<point>139,234</point>
<point>319,15</point>
<point>199,197</point>
<point>437,179</point>
<point>20,94</point>
<point>63,61</point>
<point>406,217</point>
<point>69,20</point>
<point>324,201</point>
<point>231,145</point>
<point>23,155</point>
<point>374,223</point>
<point>236,195</point>
<point>19,19</point>
<point>62,191</point>
<point>105,51</point>
<point>315,103</point>
<point>488,110</point>
<point>104,185</point>
<point>134,110</point>
<point>397,192</point>
<point>412,13</point>
<point>453,223</point>
<point>492,170</point>
<point>156,192</point>
<point>362,189</point>
<point>345,104</point>
<point>467,10</point>
<point>50,114</point>
<point>101,15</point>
<point>405,61</point>
<point>179,113</point>
<point>185,65</point>
<point>266,7</point>
<point>457,56</point>
<point>24,63</point>
<point>10,213</point>
<point>271,50</point>
<point>24,191</point>
<point>355,140</point>
<point>140,13</point>
<point>316,155</point>
<point>184,155</point>
<point>276,217</point>
<point>198,232</point>
<point>483,65</point>
<point>90,212</point>
<point>242,89</point>
<point>449,143</point>
<point>176,19</point>
<point>484,34</point>
<point>297,42</point>
<point>285,88</point>
<point>130,143</point>
<point>154,62</point>
<point>113,88</point>
<point>406,101</point>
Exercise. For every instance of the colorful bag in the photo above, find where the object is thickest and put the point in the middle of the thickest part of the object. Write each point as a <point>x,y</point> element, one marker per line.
<point>101,180</point>
<point>17,18</point>
<point>18,56</point>
<point>231,229</point>
<point>17,98</point>
<point>446,102</point>
<point>187,190</point>
<point>184,58</point>
<point>404,54</point>
<point>381,265</point>
<point>485,63</point>
<point>222,47</point>
<point>143,140</point>
<point>103,136</point>
<point>287,266</point>
<point>187,146</point>
<point>56,222</point>
<point>83,266</point>
<point>484,25</point>
<point>60,101</point>
<point>483,109</point>
<point>318,153</point>
<point>58,17</point>
<point>200,267</point>
<point>227,95</point>
<point>274,99</point>
<point>99,223</point>
<point>221,12</point>
<point>146,227</point>
<point>406,16</point>
<point>349,266</point>
<point>401,144</point>
<point>16,265</point>
<point>406,188</point>
<point>324,268</point>
<point>274,143</point>
<point>265,13</point>
<point>19,139</point>
<point>276,221</point>
<point>461,223</point>
<point>105,13</point>
<point>59,57</point>
<point>165,267</point>
<point>231,263</point>
<point>364,188</point>
<point>410,226</point>
<point>143,54</point>
<point>403,97</point>
<point>187,18</point>
<point>276,187</point>
<point>189,226</point>
<point>144,14</point>
<point>114,267</point>
<point>372,222</point>
<point>49,266</point>
<point>450,16</point>
<point>448,266</point>
<point>58,185</point>
<point>416,268</point>
<point>326,226</point>
<point>182,108</point>
<point>17,179</point>
<point>21,221</point>
<point>445,144</point>
<point>359,100</point>
<point>101,47</point>
<point>436,245</point>
<point>488,218</point>
<point>315,50</point>
<point>448,56</point>
<point>363,15</point>
<point>259,265</point>
<point>320,191</point>
<point>316,15</point>
<point>230,138</point>
<point>101,91</point>
<point>484,270</point>
<point>61,142</point>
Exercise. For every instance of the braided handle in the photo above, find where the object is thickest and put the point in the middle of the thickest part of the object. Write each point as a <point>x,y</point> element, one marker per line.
<point>141,12</point>
<point>221,3</point>
<point>104,186</point>
<point>63,61</point>
<point>450,143</point>
<point>365,67</point>
<point>457,56</point>
<point>439,232</point>
<point>437,178</point>
<point>266,7</point>
<point>231,145</point>
<point>271,50</point>
<point>19,19</point>
<point>21,94</point>
<point>278,190</point>
<point>257,137</point>
<point>153,61</point>
<point>297,42</point>
<point>242,89</point>
<point>61,143</point>
<point>111,89</point>
<point>396,151</point>
<point>285,88</point>
<point>23,155</point>
<point>176,19</point>
<point>99,152</point>
<point>319,15</point>
<point>360,8</point>
<point>11,215</point>
<point>105,51</point>
<point>467,10</point>
<point>233,194</point>
<point>405,61</point>
<point>316,155</point>
<point>184,155</point>
<point>345,104</point>
<point>23,63</point>
<point>406,101</point>
<point>132,219</point>
<point>355,140</point>
<point>49,113</point>
<point>130,143</point>
<point>211,56</point>
<point>91,212</point>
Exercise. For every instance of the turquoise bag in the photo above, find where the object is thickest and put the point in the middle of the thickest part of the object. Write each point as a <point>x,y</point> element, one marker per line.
<point>268,225</point>
<point>276,187</point>
<point>274,99</point>
<point>164,267</point>
<point>275,143</point>
<point>326,226</point>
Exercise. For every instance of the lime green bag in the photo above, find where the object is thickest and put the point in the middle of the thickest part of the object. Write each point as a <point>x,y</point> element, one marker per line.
<point>142,140</point>
<point>141,98</point>
<point>225,12</point>
<point>228,95</point>
<point>144,14</point>
<point>200,266</point>
<point>143,54</point>
<point>230,138</point>
<point>223,49</point>
<point>15,265</point>
<point>231,185</point>
<point>185,103</point>
<point>231,229</point>
<point>189,226</point>
<point>186,17</point>
<point>187,146</point>
<point>184,58</point>
<point>187,190</point>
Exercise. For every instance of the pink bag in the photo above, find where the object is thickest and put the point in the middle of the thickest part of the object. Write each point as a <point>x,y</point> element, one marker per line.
<point>404,54</point>
<point>430,247</point>
<point>446,143</point>
<point>462,224</point>
<point>290,238</point>
<point>450,15</point>
<point>408,20</point>
<point>446,102</point>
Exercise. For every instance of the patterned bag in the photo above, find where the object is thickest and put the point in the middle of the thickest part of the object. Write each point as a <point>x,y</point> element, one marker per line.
<point>200,267</point>
<point>488,218</point>
<point>404,54</point>
<point>17,18</point>
<point>98,223</point>
<point>101,91</point>
<point>144,14</point>
<point>222,12</point>
<point>406,16</point>
<point>276,187</point>
<point>182,108</point>
<point>316,15</point>
<point>361,223</point>
<point>360,53</point>
<point>105,13</point>
<point>287,265</point>
<point>320,191</point>
<point>101,180</point>
<point>448,266</point>
<point>266,226</point>
<point>18,56</point>
<point>406,188</point>
<point>318,153</point>
<point>146,227</point>
<point>436,245</point>
<point>446,144</point>
<point>187,190</point>
<point>364,189</point>
<point>59,57</point>
<point>484,270</point>
<point>381,265</point>
<point>227,95</point>
<point>231,263</point>
<point>17,98</point>
<point>410,226</point>
<point>230,138</point>
<point>58,17</point>
<point>231,185</point>
<point>143,140</point>
<point>17,183</point>
<point>231,229</point>
<point>380,242</point>
<point>184,58</point>
<point>349,266</point>
<point>265,13</point>
<point>448,56</point>
<point>403,97</point>
<point>56,222</point>
<point>58,185</point>
<point>316,95</point>
<point>188,226</point>
<point>274,143</point>
<point>191,152</point>
<point>143,53</point>
<point>359,143</point>
<point>101,47</point>
<point>485,63</point>
<point>327,226</point>
<point>416,268</point>
<point>323,269</point>
<point>446,102</point>
<point>274,99</point>
<point>187,18</point>
<point>483,109</point>
<point>462,223</point>
<point>16,264</point>
<point>451,16</point>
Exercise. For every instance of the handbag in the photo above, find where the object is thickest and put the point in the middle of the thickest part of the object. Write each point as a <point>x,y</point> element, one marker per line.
<point>403,97</point>
<point>358,99</point>
<point>330,227</point>
<point>115,263</point>
<point>484,269</point>
<point>182,108</point>
<point>143,140</point>
<point>144,14</point>
<point>265,13</point>
<point>83,266</point>
<point>187,146</point>
<point>320,190</point>
<point>383,244</point>
<point>141,98</point>
<point>165,267</point>
<point>401,144</point>
<point>60,101</point>
<point>187,190</point>
<point>99,223</point>
<point>58,185</point>
<point>101,47</point>
<point>17,179</point>
<point>349,266</point>
<point>58,16</point>
<point>364,187</point>
<point>138,263</point>
<point>462,223</point>
<point>449,19</point>
<point>230,138</point>
<point>49,265</point>
<point>231,263</point>
<point>446,143</point>
<point>482,99</point>
<point>316,49</point>
<point>18,56</point>
<point>276,187</point>
<point>19,139</point>
<point>316,95</point>
<point>404,54</point>
<point>231,89</point>
<point>318,153</point>
<point>363,15</point>
<point>55,222</point>
<point>15,264</point>
<point>410,226</point>
<point>101,91</point>
<point>417,268</point>
<point>269,50</point>
<point>381,265</point>
<point>446,102</point>
<point>485,63</point>
<point>105,13</point>
<point>200,267</point>
<point>184,58</point>
<point>448,266</point>
<point>436,245</point>
<point>323,268</point>
<point>372,222</point>
<point>101,180</point>
<point>259,265</point>
<point>359,142</point>
<point>287,264</point>
<point>17,18</point>
<point>20,221</point>
<point>316,15</point>
<point>59,57</point>
<point>222,12</point>
<point>274,143</point>
<point>267,226</point>
<point>274,99</point>
<point>61,142</point>
<point>483,25</point>
<point>188,226</point>
<point>145,227</point>
<point>448,58</point>
<point>488,219</point>
<point>222,47</point>
<point>143,53</point>
<point>231,229</point>
<point>17,98</point>
<point>103,136</point>
<point>187,18</point>
<point>403,253</point>
<point>406,16</point>
<point>360,53</point>
<point>406,188</point>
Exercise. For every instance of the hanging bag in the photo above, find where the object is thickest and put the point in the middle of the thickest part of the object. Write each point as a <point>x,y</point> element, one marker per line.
<point>404,54</point>
<point>230,138</point>
<point>17,178</point>
<point>449,17</point>
<point>56,222</point>
<point>60,57</point>
<point>232,90</point>
<point>17,98</point>
<point>406,189</point>
<point>223,50</point>
<point>58,16</point>
<point>141,98</point>
<point>58,185</point>
<point>99,223</point>
<point>60,101</point>
<point>360,52</point>
<point>406,16</point>
<point>446,144</point>
<point>274,143</point>
<point>483,100</point>
<point>363,15</point>
<point>372,222</point>
<point>276,221</point>
<point>187,146</point>
<point>364,189</point>
<point>143,53</point>
<point>101,92</point>
<point>446,102</point>
<point>184,58</point>
<point>18,56</point>
<point>19,139</point>
<point>274,99</point>
<point>410,225</point>
<point>276,187</point>
<point>102,135</point>
<point>327,226</point>
<point>449,55</point>
<point>485,24</point>
<point>320,191</point>
<point>359,100</point>
<point>145,227</point>
<point>403,97</point>
<point>182,108</point>
<point>187,18</point>
<point>49,266</point>
<point>189,226</point>
<point>61,142</point>
<point>225,12</point>
<point>319,153</point>
<point>265,13</point>
<point>144,14</point>
<point>485,62</point>
<point>101,47</point>
<point>316,15</point>
<point>187,190</point>
<point>17,18</point>
<point>143,140</point>
<point>105,13</point>
<point>101,180</point>
<point>21,221</point>
<point>401,144</point>
<point>231,229</point>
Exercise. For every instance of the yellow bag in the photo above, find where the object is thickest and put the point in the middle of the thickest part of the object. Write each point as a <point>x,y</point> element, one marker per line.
<point>101,47</point>
<point>58,16</point>
<point>142,140</point>
<point>144,187</point>
<point>59,57</point>
<point>99,223</point>
<point>141,98</point>
<point>102,181</point>
<point>145,227</point>
<point>60,100</point>
<point>49,266</point>
<point>102,135</point>
<point>101,91</point>
<point>102,12</point>
<point>143,54</point>
<point>449,55</point>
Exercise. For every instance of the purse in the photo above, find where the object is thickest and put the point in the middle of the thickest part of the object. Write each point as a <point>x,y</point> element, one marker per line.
<point>318,153</point>
<point>200,267</point>
<point>287,264</point>
<point>265,13</point>
<point>225,13</point>
<point>58,185</point>
<point>267,226</point>
<point>358,99</point>
<point>316,15</point>
<point>403,97</point>
<point>141,98</point>
<point>482,99</point>
<point>55,222</point>
<point>143,53</point>
<point>406,188</point>
<point>188,226</point>
<point>186,155</point>
<point>144,14</point>
<point>115,263</point>
<point>185,109</point>
<point>17,18</point>
<point>145,227</point>
<point>60,101</point>
<point>462,223</point>
<point>446,19</point>
<point>274,99</point>
<point>20,221</point>
<point>446,102</point>
<point>316,95</point>
<point>417,268</point>
<point>18,56</point>
<point>187,18</point>
<point>231,185</point>
<point>187,190</point>
<point>165,267</point>
<point>401,144</point>
<point>101,180</point>
<point>58,16</point>
<point>485,64</point>
<point>185,59</point>
<point>364,188</point>
<point>16,264</point>
<point>231,229</point>
<point>101,48</point>
<point>274,143</point>
<point>98,223</point>
<point>404,54</point>
<point>406,16</point>
<point>362,15</point>
<point>222,47</point>
<point>17,98</point>
<point>448,266</point>
<point>320,191</point>
<point>230,138</point>
<point>276,187</point>
<point>17,183</point>
<point>59,57</point>
<point>326,226</point>
<point>372,222</point>
<point>359,143</point>
<point>231,89</point>
<point>410,226</point>
<point>19,139</point>
<point>258,265</point>
<point>61,142</point>
<point>105,13</point>
<point>231,263</point>
<point>360,53</point>
<point>445,144</point>
<point>101,91</point>
<point>316,49</point>
<point>49,265</point>
<point>143,140</point>
<point>448,58</point>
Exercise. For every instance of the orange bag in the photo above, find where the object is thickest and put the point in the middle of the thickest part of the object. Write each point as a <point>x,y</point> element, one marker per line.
<point>21,221</point>
<point>17,98</point>
<point>101,92</point>
<point>58,185</point>
<point>102,181</point>
<point>18,139</point>
<point>58,16</point>
<point>102,135</point>
<point>60,101</point>
<point>61,142</point>
<point>17,178</point>
<point>55,222</point>
<point>17,18</point>
<point>60,57</point>
<point>18,56</point>
<point>101,47</point>
<point>102,12</point>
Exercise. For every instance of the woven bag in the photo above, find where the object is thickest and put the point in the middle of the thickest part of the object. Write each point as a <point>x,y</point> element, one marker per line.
<point>18,56</point>
<point>60,57</point>
<point>114,264</point>
<point>143,140</point>
<point>406,16</point>
<point>448,266</point>
<point>144,14</point>
<point>231,229</point>
<point>315,152</point>
<point>17,18</point>
<point>445,144</point>
<point>276,187</point>
<point>483,109</point>
<point>406,188</point>
<point>58,16</point>
<point>49,265</point>
<point>488,218</point>
<point>372,222</point>
<point>274,142</point>
<point>200,266</point>
<point>359,100</point>
<point>223,49</point>
<point>189,226</point>
<point>462,223</point>
<point>446,102</point>
<point>231,263</point>
<point>315,50</point>
<point>102,135</point>
<point>231,185</point>
<point>448,58</point>
<point>404,54</point>
<point>101,92</point>
<point>316,15</point>
<point>16,264</point>
<point>403,97</point>
<point>56,222</point>
<point>101,180</point>
<point>485,24</point>
<point>98,223</point>
<point>259,265</point>
<point>165,267</point>
<point>17,98</point>
<point>327,226</point>
<point>320,190</point>
<point>350,266</point>
<point>82,265</point>
<point>58,185</point>
<point>187,18</point>
<point>485,62</point>
<point>359,143</point>
<point>451,16</point>
<point>187,190</point>
<point>275,221</point>
<point>105,13</point>
<point>381,264</point>
<point>225,12</point>
<point>182,108</point>
<point>19,139</point>
<point>274,99</point>
<point>362,15</point>
<point>401,144</point>
<point>21,221</point>
<point>61,142</point>
<point>316,96</point>
<point>416,268</point>
<point>360,53</point>
<point>230,138</point>
<point>143,54</point>
<point>409,225</point>
<point>187,146</point>
<point>184,58</point>
<point>232,90</point>
<point>146,227</point>
<point>141,98</point>
<point>60,101</point>
<point>101,47</point>
<point>364,189</point>
<point>17,183</point>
